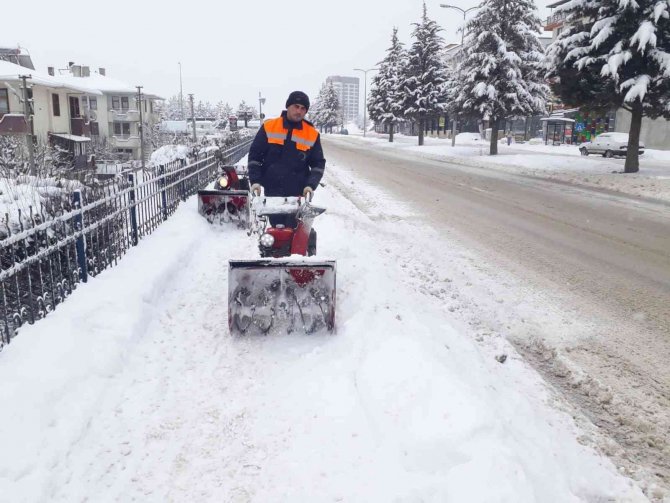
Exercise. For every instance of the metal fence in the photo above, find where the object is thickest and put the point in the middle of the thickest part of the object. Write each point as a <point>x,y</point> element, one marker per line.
<point>40,266</point>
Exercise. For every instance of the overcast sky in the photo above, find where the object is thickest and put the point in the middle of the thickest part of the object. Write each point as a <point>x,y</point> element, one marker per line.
<point>229,50</point>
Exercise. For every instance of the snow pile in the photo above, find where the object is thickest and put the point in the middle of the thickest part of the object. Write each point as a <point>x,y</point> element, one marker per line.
<point>133,388</point>
<point>19,196</point>
<point>470,139</point>
<point>169,153</point>
<point>563,163</point>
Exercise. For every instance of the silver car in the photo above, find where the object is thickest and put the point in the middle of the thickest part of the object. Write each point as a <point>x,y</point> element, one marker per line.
<point>609,145</point>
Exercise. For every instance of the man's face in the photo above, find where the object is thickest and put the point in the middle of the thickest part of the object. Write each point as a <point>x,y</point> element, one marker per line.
<point>296,112</point>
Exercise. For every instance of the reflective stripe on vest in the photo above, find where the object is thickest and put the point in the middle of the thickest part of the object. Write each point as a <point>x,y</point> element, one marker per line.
<point>274,129</point>
<point>304,138</point>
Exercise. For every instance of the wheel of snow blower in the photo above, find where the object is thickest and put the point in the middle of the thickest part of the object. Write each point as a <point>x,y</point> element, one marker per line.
<point>311,244</point>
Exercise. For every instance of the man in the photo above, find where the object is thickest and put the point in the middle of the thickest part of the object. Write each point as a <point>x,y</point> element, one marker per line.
<point>286,156</point>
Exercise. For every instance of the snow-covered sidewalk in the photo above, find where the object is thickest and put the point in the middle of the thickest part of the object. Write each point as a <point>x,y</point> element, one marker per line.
<point>133,389</point>
<point>563,163</point>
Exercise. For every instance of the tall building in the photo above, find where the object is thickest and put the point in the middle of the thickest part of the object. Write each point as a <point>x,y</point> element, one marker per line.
<point>348,95</point>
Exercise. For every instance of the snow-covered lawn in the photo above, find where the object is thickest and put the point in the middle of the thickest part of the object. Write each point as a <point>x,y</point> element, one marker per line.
<point>563,162</point>
<point>133,388</point>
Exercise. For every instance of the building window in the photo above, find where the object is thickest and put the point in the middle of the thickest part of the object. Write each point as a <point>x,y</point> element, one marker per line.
<point>55,100</point>
<point>120,103</point>
<point>4,102</point>
<point>74,107</point>
<point>95,129</point>
<point>122,129</point>
<point>93,103</point>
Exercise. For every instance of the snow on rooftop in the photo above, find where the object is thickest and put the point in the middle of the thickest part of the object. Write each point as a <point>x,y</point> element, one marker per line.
<point>11,72</point>
<point>104,84</point>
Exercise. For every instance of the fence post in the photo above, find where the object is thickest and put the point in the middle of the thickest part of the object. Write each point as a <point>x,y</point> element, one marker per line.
<point>161,173</point>
<point>80,243</point>
<point>182,185</point>
<point>133,210</point>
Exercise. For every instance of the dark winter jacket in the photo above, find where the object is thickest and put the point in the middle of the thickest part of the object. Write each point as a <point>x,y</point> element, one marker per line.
<point>286,157</point>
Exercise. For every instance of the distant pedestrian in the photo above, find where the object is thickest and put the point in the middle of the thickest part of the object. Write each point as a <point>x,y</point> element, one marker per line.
<point>509,137</point>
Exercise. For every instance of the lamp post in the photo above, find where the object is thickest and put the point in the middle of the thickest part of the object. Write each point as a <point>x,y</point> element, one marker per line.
<point>181,93</point>
<point>261,101</point>
<point>464,11</point>
<point>365,95</point>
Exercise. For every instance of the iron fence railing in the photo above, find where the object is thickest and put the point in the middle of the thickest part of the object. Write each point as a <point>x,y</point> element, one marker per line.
<point>41,265</point>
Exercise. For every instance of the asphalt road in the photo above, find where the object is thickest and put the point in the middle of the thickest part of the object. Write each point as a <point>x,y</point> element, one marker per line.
<point>609,254</point>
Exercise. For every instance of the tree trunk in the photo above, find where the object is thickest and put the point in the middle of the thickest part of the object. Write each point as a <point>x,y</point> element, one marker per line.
<point>633,154</point>
<point>391,132</point>
<point>494,137</point>
<point>421,126</point>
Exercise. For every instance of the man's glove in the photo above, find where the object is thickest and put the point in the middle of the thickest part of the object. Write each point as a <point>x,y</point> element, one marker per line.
<point>308,193</point>
<point>256,189</point>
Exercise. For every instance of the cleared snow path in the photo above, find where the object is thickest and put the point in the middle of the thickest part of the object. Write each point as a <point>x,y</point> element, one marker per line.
<point>133,389</point>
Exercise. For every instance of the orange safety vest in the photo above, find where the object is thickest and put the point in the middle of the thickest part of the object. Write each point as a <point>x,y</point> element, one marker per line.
<point>304,138</point>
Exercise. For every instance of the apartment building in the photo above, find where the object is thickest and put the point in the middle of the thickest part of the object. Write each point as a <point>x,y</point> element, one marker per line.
<point>347,89</point>
<point>111,108</point>
<point>47,98</point>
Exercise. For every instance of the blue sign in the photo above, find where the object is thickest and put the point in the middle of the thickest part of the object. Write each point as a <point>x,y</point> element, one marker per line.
<point>579,126</point>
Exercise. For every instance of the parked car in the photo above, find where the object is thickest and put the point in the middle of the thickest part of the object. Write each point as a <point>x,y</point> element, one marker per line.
<point>344,131</point>
<point>609,145</point>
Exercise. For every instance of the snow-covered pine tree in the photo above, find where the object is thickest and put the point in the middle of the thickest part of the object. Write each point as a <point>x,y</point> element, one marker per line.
<point>172,109</point>
<point>325,112</point>
<point>314,114</point>
<point>502,75</point>
<point>424,76</point>
<point>223,110</point>
<point>615,53</point>
<point>331,114</point>
<point>385,104</point>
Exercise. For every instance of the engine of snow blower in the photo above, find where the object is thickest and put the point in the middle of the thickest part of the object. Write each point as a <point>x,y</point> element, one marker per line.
<point>282,291</point>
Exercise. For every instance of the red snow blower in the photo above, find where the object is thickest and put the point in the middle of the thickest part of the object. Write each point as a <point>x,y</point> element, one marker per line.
<point>228,199</point>
<point>285,289</point>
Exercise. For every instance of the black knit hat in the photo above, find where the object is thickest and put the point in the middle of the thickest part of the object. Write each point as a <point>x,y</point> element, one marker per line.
<point>298,98</point>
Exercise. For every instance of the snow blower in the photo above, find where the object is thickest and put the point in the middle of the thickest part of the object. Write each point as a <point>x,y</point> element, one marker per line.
<point>287,289</point>
<point>228,199</point>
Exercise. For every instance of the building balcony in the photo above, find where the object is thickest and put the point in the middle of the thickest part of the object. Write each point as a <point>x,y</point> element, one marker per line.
<point>13,124</point>
<point>123,115</point>
<point>555,21</point>
<point>125,141</point>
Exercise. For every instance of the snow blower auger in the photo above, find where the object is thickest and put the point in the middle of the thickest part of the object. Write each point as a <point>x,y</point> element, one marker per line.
<point>227,200</point>
<point>282,291</point>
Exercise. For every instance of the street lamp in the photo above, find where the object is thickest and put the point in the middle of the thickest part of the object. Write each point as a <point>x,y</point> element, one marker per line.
<point>261,101</point>
<point>365,95</point>
<point>464,11</point>
<point>181,93</point>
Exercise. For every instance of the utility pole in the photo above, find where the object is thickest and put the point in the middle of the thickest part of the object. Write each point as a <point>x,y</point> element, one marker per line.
<point>446,6</point>
<point>181,94</point>
<point>141,125</point>
<point>29,122</point>
<point>190,97</point>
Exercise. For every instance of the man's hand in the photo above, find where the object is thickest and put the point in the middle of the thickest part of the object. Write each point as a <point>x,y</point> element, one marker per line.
<point>256,189</point>
<point>308,193</point>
